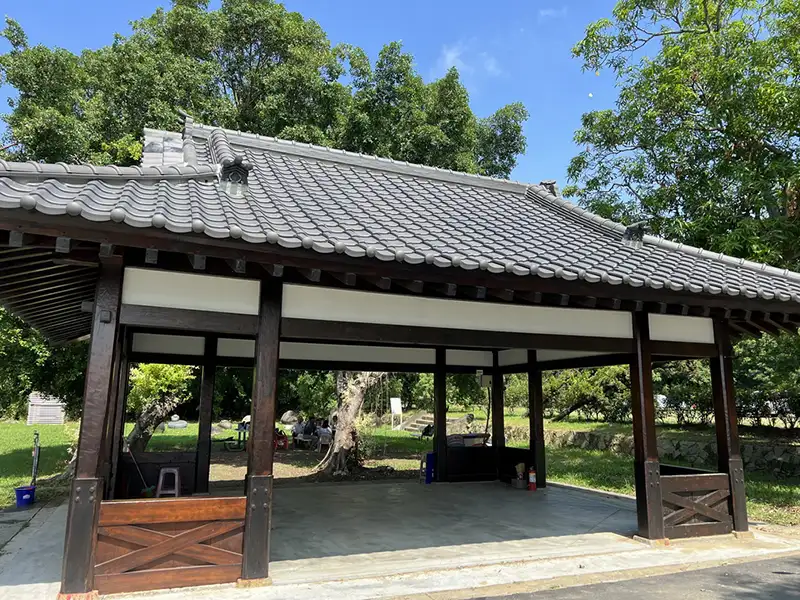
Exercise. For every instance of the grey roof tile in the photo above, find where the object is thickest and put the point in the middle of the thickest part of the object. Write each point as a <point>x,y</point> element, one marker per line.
<point>304,196</point>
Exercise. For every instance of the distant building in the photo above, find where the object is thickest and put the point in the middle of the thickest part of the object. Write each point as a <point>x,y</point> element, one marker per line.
<point>45,410</point>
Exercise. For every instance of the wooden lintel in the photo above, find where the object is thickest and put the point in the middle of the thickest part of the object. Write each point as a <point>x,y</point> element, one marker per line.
<point>198,262</point>
<point>189,320</point>
<point>313,275</point>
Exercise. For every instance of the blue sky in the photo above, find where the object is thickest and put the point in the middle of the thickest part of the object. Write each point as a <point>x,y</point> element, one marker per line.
<point>507,51</point>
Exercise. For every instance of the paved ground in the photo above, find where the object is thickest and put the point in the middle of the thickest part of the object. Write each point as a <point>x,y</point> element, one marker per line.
<point>762,580</point>
<point>385,540</point>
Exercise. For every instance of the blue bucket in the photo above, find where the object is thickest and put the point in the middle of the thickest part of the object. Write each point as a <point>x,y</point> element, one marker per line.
<point>26,495</point>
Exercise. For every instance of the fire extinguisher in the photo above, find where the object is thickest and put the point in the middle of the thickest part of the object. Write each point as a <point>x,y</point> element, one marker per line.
<point>531,479</point>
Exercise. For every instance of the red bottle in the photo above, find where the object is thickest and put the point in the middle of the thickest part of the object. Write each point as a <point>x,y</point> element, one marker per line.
<point>531,480</point>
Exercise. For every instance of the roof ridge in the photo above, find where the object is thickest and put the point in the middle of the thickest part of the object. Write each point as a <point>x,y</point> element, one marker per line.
<point>366,160</point>
<point>35,170</point>
<point>543,194</point>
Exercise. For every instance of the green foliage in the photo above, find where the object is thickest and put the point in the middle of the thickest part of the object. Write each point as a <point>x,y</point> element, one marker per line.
<point>28,363</point>
<point>687,387</point>
<point>767,378</point>
<point>463,392</point>
<point>249,65</point>
<point>703,141</point>
<point>316,391</point>
<point>591,393</point>
<point>152,382</point>
<point>516,392</point>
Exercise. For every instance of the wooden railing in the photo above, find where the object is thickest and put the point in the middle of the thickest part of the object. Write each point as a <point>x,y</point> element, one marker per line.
<point>696,505</point>
<point>164,543</point>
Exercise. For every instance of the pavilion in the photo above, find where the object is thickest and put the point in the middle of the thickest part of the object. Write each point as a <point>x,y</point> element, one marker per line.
<point>226,248</point>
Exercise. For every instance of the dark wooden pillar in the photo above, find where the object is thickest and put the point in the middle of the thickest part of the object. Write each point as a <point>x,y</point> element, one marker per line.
<point>536,418</point>
<point>255,559</point>
<point>728,453</point>
<point>203,459</point>
<point>498,406</point>
<point>77,576</point>
<point>646,466</point>
<point>440,414</point>
<point>121,399</point>
<point>112,413</point>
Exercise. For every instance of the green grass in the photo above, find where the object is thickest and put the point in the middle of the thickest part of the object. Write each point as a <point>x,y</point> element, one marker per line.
<point>171,440</point>
<point>16,460</point>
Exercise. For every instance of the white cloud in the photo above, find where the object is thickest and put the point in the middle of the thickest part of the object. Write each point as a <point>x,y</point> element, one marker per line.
<point>552,13</point>
<point>467,59</point>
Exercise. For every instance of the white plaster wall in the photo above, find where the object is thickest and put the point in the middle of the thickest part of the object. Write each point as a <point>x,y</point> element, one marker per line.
<point>329,304</point>
<point>168,344</point>
<point>469,358</point>
<point>676,328</point>
<point>170,289</point>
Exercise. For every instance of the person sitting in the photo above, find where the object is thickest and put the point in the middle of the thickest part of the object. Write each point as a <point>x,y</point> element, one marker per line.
<point>297,430</point>
<point>310,427</point>
<point>281,442</point>
<point>324,429</point>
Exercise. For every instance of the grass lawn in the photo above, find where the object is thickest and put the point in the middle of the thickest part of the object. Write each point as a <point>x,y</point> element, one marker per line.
<point>768,499</point>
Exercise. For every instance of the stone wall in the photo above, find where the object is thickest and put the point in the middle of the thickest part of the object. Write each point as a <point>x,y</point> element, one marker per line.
<point>783,459</point>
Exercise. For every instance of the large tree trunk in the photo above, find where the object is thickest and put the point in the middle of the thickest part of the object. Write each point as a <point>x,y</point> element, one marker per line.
<point>340,459</point>
<point>570,409</point>
<point>146,422</point>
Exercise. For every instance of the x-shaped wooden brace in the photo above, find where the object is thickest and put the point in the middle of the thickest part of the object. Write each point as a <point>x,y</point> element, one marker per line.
<point>158,544</point>
<point>690,507</point>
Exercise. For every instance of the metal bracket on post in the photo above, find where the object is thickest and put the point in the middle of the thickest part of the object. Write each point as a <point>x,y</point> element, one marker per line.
<point>258,516</point>
<point>78,567</point>
<point>738,507</point>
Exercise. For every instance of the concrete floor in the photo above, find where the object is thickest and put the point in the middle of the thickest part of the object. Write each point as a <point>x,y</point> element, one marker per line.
<point>383,540</point>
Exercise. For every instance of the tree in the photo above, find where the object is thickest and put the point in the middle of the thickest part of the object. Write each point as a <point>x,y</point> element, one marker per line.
<point>703,141</point>
<point>156,390</point>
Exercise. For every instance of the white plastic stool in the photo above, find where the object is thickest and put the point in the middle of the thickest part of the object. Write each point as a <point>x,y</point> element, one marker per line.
<point>175,489</point>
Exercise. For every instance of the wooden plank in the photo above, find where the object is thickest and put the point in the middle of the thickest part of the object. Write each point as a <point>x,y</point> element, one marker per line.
<point>646,467</point>
<point>149,537</point>
<point>188,320</point>
<point>337,331</point>
<point>695,483</point>
<point>696,530</point>
<point>705,506</point>
<point>148,554</point>
<point>684,349</point>
<point>536,418</point>
<point>154,579</point>
<point>440,414</point>
<point>170,510</point>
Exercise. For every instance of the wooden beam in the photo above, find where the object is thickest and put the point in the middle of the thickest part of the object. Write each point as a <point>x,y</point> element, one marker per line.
<point>237,265</point>
<point>646,466</point>
<point>63,245</point>
<point>274,270</point>
<point>205,415</point>
<point>188,320</point>
<point>506,295</point>
<point>151,256</point>
<point>198,261</point>
<point>87,489</point>
<point>728,450</point>
<point>415,287</point>
<point>498,406</point>
<point>536,418</point>
<point>440,414</point>
<point>255,558</point>
<point>382,283</point>
<point>340,331</point>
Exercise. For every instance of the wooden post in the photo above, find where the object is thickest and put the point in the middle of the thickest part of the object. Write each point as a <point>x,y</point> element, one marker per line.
<point>536,419</point>
<point>77,575</point>
<point>118,430</point>
<point>498,417</point>
<point>647,470</point>
<point>203,459</point>
<point>440,414</point>
<point>112,410</point>
<point>258,515</point>
<point>729,457</point>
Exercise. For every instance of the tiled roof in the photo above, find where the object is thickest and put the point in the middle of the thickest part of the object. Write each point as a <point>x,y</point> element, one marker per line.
<point>330,201</point>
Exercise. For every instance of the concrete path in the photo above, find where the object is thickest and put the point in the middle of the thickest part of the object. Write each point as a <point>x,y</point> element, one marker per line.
<point>386,540</point>
<point>777,579</point>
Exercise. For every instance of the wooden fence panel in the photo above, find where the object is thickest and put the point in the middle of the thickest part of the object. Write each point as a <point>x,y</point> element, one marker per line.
<point>170,542</point>
<point>696,505</point>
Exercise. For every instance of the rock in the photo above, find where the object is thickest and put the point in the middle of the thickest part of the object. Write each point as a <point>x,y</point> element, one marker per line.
<point>177,423</point>
<point>225,424</point>
<point>289,417</point>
